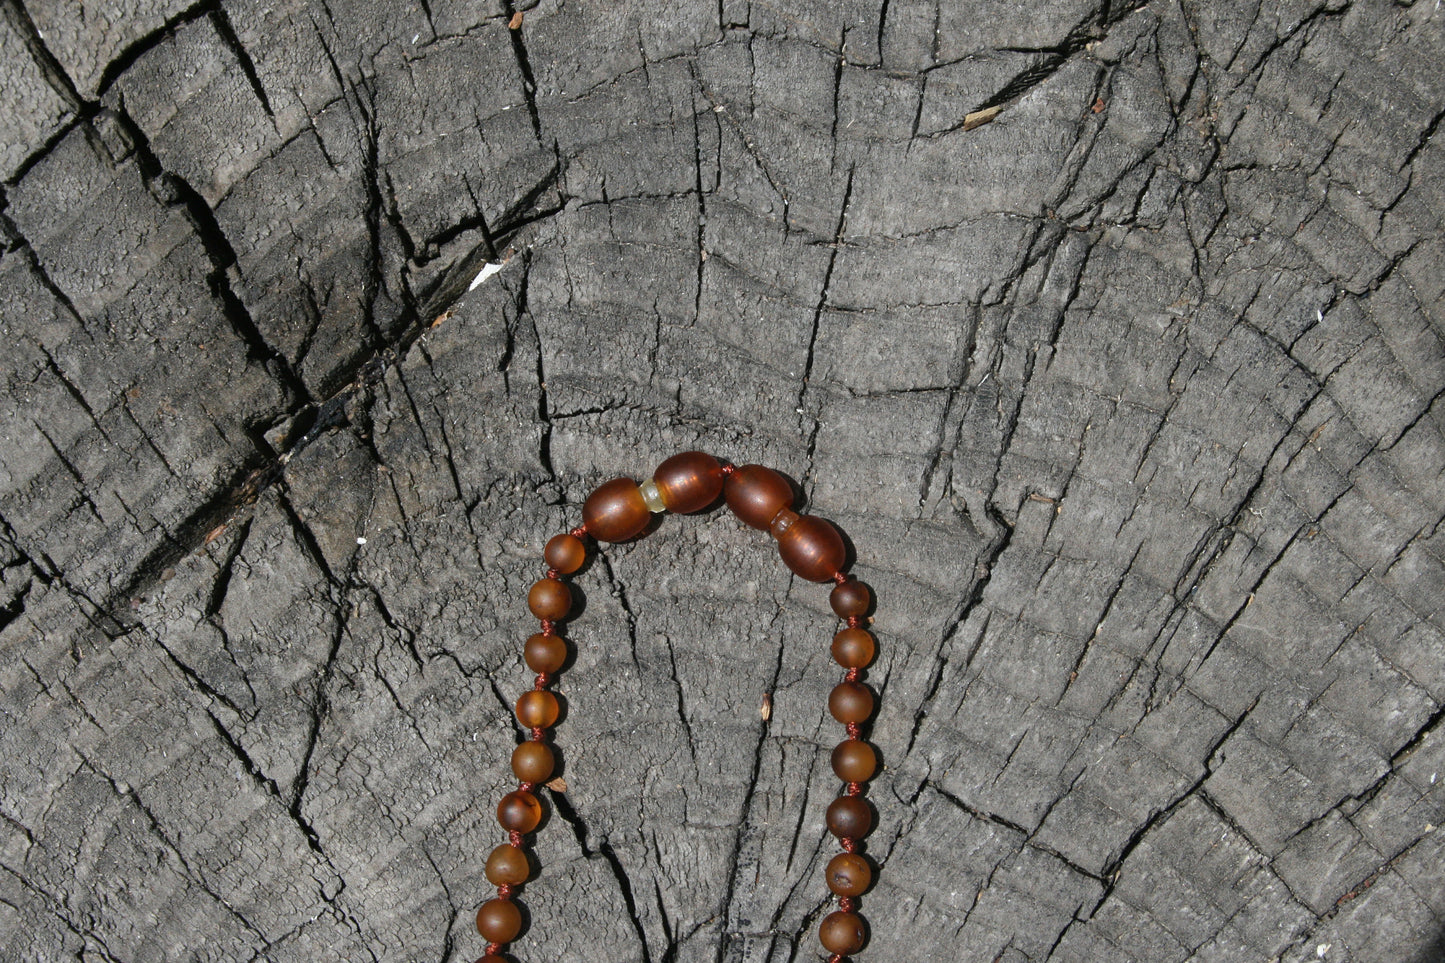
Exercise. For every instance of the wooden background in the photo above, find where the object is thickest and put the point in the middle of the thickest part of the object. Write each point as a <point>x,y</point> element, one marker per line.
<point>1130,402</point>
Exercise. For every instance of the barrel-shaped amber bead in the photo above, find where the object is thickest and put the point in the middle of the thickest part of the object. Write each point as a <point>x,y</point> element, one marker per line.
<point>689,481</point>
<point>756,494</point>
<point>812,548</point>
<point>616,511</point>
<point>782,522</point>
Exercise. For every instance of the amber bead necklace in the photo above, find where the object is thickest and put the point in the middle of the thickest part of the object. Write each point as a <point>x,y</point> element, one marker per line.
<point>813,549</point>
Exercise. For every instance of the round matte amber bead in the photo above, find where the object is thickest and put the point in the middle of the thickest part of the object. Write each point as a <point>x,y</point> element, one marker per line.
<point>689,481</point>
<point>756,494</point>
<point>850,702</point>
<point>532,761</point>
<point>499,921</point>
<point>546,653</point>
<point>537,709</point>
<point>842,932</point>
<point>853,648</point>
<point>616,511</point>
<point>519,811</point>
<point>549,599</point>
<point>854,761</point>
<point>507,866</point>
<point>812,548</point>
<point>849,817</point>
<point>850,598</point>
<point>565,553</point>
<point>848,874</point>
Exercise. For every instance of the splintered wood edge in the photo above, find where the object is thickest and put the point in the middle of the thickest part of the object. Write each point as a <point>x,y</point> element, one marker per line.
<point>980,117</point>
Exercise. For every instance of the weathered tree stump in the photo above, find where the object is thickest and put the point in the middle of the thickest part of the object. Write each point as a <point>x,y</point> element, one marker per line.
<point>1111,334</point>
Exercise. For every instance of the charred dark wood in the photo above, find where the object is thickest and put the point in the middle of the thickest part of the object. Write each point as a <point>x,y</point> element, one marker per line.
<point>1112,335</point>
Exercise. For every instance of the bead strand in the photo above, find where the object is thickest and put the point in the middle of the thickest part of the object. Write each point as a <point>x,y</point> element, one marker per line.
<point>499,920</point>
<point>854,762</point>
<point>813,549</point>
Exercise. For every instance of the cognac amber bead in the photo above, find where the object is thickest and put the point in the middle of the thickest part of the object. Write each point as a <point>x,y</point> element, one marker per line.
<point>546,653</point>
<point>782,522</point>
<point>756,494</point>
<point>489,958</point>
<point>615,511</point>
<point>507,866</point>
<point>549,599</point>
<point>499,921</point>
<point>850,702</point>
<point>565,553</point>
<point>689,481</point>
<point>854,761</point>
<point>848,874</point>
<point>849,817</point>
<point>812,548</point>
<point>853,648</point>
<point>532,761</point>
<point>519,812</point>
<point>842,932</point>
<point>850,598</point>
<point>537,709</point>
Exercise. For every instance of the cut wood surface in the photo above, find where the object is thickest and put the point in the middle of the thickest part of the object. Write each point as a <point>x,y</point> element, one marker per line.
<point>1111,334</point>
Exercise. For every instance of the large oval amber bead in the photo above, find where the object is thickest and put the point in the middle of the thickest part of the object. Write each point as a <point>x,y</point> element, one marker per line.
<point>756,495</point>
<point>616,511</point>
<point>689,481</point>
<point>812,548</point>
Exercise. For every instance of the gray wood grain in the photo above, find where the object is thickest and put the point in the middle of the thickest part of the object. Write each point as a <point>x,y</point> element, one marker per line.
<point>1129,401</point>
